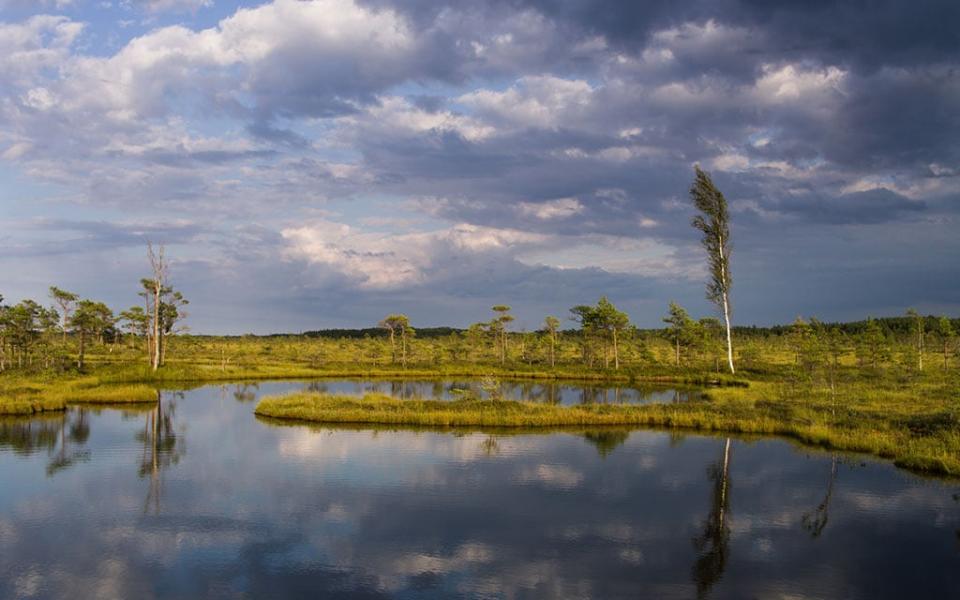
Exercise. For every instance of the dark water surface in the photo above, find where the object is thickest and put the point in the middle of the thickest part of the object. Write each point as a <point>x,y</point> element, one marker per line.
<point>550,392</point>
<point>200,499</point>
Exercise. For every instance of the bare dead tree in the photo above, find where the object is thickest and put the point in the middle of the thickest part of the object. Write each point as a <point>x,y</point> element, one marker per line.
<point>160,269</point>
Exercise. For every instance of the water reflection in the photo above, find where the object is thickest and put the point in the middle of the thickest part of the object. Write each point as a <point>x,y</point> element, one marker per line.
<point>74,432</point>
<point>956,497</point>
<point>815,522</point>
<point>490,445</point>
<point>713,544</point>
<point>607,440</point>
<point>161,448</point>
<point>262,510</point>
<point>62,436</point>
<point>547,392</point>
<point>28,435</point>
<point>246,392</point>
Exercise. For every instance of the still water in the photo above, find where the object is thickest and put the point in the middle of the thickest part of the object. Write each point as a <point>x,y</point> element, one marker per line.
<point>550,392</point>
<point>197,498</point>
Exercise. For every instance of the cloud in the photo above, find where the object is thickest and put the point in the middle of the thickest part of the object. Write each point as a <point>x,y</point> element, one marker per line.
<point>540,101</point>
<point>385,261</point>
<point>44,4</point>
<point>553,476</point>
<point>172,5</point>
<point>26,49</point>
<point>872,206</point>
<point>52,236</point>
<point>560,208</point>
<point>361,144</point>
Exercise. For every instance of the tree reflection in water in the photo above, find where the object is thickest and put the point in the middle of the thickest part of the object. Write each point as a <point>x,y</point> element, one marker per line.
<point>815,522</point>
<point>246,392</point>
<point>490,446</point>
<point>74,433</point>
<point>956,497</point>
<point>713,544</point>
<point>606,441</point>
<point>62,436</point>
<point>29,435</point>
<point>161,449</point>
<point>318,387</point>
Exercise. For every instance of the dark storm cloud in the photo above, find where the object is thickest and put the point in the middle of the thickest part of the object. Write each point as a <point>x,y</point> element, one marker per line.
<point>75,237</point>
<point>873,206</point>
<point>825,123</point>
<point>898,118</point>
<point>866,34</point>
<point>862,33</point>
<point>900,105</point>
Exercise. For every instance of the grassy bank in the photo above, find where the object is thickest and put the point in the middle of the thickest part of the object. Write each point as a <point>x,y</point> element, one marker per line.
<point>23,396</point>
<point>198,373</point>
<point>22,393</point>
<point>922,434</point>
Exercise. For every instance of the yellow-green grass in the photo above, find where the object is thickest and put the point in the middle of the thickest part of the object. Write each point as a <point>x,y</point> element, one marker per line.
<point>920,436</point>
<point>26,405</point>
<point>109,394</point>
<point>118,383</point>
<point>23,396</point>
<point>181,372</point>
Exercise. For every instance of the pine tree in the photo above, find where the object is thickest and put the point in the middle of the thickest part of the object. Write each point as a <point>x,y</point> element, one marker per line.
<point>681,331</point>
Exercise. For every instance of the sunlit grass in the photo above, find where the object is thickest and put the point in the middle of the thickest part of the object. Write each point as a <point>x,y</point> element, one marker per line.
<point>921,434</point>
<point>892,410</point>
<point>183,372</point>
<point>20,395</point>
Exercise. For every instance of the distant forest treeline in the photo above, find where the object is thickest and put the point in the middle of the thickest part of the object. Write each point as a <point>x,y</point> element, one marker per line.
<point>892,325</point>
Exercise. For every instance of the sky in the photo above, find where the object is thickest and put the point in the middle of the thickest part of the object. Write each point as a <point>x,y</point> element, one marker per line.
<point>322,163</point>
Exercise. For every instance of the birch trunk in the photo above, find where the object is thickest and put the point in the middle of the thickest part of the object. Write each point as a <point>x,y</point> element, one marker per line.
<point>155,363</point>
<point>726,304</point>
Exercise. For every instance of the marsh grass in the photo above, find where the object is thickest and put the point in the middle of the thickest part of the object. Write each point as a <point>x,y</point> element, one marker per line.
<point>23,396</point>
<point>894,412</point>
<point>188,373</point>
<point>120,383</point>
<point>918,433</point>
<point>110,394</point>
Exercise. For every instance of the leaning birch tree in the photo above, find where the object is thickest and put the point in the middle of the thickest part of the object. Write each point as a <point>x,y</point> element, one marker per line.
<point>714,222</point>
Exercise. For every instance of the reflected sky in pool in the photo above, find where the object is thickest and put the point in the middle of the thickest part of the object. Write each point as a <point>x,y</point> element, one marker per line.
<point>549,392</point>
<point>198,498</point>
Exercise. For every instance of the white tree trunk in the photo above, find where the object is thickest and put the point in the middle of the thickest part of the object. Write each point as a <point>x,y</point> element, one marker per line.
<point>724,482</point>
<point>155,363</point>
<point>726,305</point>
<point>726,319</point>
<point>920,347</point>
<point>159,267</point>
